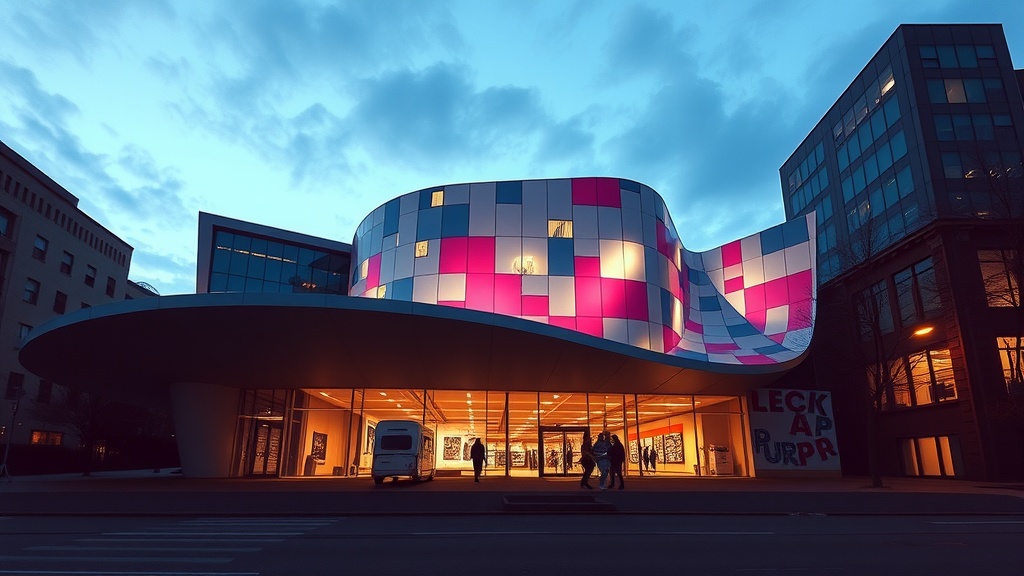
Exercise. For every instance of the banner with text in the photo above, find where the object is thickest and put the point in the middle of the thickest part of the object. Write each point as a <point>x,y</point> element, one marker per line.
<point>793,430</point>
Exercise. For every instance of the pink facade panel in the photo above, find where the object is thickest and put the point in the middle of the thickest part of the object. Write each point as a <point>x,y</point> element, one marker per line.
<point>572,275</point>
<point>453,255</point>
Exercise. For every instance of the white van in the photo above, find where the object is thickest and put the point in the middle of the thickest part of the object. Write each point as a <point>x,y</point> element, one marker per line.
<point>402,448</point>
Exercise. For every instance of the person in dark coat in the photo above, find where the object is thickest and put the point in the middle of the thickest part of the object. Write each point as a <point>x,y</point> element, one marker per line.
<point>604,463</point>
<point>587,461</point>
<point>654,460</point>
<point>479,456</point>
<point>647,458</point>
<point>617,455</point>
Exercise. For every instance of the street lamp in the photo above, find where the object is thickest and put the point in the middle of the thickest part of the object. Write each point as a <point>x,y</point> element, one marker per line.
<point>924,331</point>
<point>4,470</point>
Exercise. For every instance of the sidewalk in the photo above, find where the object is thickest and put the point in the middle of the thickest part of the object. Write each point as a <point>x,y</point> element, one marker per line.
<point>166,493</point>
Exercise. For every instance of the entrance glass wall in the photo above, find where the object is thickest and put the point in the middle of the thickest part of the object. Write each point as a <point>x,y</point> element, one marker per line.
<point>330,432</point>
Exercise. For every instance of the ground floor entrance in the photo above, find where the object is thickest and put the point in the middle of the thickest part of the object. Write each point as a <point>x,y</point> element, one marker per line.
<point>328,432</point>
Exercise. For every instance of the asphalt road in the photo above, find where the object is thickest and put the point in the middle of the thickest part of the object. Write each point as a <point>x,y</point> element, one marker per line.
<point>512,544</point>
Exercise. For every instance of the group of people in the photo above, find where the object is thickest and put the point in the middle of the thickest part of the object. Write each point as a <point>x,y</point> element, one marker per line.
<point>608,455</point>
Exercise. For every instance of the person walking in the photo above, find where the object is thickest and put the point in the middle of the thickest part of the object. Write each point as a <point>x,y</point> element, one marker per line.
<point>479,456</point>
<point>647,459</point>
<point>587,461</point>
<point>617,457</point>
<point>601,448</point>
<point>654,460</point>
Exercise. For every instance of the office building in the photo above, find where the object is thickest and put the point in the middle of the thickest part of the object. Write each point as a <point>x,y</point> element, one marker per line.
<point>914,177</point>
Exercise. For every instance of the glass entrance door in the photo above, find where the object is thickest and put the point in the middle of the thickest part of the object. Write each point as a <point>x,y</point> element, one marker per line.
<point>265,449</point>
<point>559,450</point>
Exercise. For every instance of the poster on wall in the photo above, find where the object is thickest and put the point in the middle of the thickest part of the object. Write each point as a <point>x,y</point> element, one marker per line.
<point>793,430</point>
<point>499,458</point>
<point>452,448</point>
<point>368,447</point>
<point>319,448</point>
<point>674,448</point>
<point>634,453</point>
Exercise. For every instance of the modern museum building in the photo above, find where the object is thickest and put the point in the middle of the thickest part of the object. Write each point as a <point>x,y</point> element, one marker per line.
<point>522,313</point>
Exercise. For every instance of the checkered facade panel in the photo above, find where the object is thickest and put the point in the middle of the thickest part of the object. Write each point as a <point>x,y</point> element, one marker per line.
<point>596,255</point>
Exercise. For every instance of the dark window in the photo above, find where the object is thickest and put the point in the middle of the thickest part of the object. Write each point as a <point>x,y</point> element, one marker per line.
<point>60,302</point>
<point>31,294</point>
<point>90,276</point>
<point>917,292</point>
<point>873,310</point>
<point>15,386</point>
<point>111,286</point>
<point>67,263</point>
<point>39,248</point>
<point>23,330</point>
<point>6,222</point>
<point>45,393</point>
<point>396,442</point>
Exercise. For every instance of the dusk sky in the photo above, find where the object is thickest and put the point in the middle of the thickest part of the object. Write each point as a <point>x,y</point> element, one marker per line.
<point>307,115</point>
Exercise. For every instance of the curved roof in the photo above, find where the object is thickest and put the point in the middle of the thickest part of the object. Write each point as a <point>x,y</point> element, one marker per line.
<point>136,348</point>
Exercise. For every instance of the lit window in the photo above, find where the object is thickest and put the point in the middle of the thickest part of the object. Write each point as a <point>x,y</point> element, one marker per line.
<point>364,269</point>
<point>924,378</point>
<point>559,228</point>
<point>47,437</point>
<point>887,81</point>
<point>1011,352</point>
<point>437,198</point>
<point>421,249</point>
<point>930,456</point>
<point>1001,287</point>
<point>382,291</point>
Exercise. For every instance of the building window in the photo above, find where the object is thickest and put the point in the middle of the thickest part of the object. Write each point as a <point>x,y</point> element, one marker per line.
<point>111,286</point>
<point>921,379</point>
<point>930,456</point>
<point>874,313</point>
<point>1011,352</point>
<point>559,228</point>
<point>421,249</point>
<point>90,276</point>
<point>437,198</point>
<point>917,292</point>
<point>15,386</point>
<point>6,222</point>
<point>31,294</point>
<point>39,248</point>
<point>67,262</point>
<point>45,393</point>
<point>23,330</point>
<point>1001,288</point>
<point>60,302</point>
<point>47,437</point>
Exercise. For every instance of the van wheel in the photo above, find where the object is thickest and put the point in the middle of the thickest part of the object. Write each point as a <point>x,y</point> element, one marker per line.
<point>416,478</point>
<point>378,480</point>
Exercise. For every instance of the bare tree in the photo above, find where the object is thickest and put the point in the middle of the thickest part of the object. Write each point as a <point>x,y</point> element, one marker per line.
<point>81,415</point>
<point>879,355</point>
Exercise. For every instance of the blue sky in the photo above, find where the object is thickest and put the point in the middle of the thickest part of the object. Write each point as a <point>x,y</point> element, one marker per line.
<point>306,115</point>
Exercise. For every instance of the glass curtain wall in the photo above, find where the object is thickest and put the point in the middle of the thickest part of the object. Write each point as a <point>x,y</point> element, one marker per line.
<point>331,432</point>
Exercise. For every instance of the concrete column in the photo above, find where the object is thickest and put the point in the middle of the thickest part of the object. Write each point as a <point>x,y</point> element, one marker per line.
<point>205,417</point>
